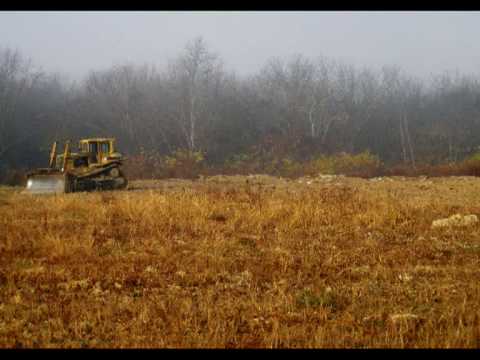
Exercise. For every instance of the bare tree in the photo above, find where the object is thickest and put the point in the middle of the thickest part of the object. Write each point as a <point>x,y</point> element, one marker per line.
<point>17,78</point>
<point>294,90</point>
<point>119,101</point>
<point>193,75</point>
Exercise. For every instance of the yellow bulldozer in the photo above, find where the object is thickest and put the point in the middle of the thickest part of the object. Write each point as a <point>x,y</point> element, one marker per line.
<point>96,166</point>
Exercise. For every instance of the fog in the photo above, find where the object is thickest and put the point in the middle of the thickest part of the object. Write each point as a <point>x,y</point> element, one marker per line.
<point>72,43</point>
<point>399,89</point>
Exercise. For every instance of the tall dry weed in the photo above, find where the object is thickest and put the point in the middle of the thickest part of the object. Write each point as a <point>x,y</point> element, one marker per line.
<point>345,264</point>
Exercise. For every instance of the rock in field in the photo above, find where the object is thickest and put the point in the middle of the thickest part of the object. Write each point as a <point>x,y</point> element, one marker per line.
<point>455,220</point>
<point>403,317</point>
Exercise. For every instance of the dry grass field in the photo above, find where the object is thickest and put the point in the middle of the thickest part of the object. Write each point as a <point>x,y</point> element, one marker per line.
<point>243,262</point>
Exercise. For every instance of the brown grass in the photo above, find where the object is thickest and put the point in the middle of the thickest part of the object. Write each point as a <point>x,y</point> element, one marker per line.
<point>242,262</point>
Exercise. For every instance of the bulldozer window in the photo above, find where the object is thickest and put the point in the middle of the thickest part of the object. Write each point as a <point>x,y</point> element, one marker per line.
<point>93,147</point>
<point>104,147</point>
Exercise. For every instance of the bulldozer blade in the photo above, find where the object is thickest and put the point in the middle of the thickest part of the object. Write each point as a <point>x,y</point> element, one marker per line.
<point>45,184</point>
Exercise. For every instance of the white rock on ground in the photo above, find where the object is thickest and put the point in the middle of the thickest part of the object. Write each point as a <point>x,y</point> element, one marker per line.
<point>455,220</point>
<point>399,317</point>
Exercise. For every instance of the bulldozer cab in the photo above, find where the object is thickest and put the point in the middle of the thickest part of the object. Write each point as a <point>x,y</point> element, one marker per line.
<point>99,150</point>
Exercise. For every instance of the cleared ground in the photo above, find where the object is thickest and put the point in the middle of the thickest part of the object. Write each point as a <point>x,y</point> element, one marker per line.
<point>242,262</point>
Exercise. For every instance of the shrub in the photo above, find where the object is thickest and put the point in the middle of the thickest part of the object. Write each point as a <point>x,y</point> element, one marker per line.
<point>180,164</point>
<point>145,165</point>
<point>470,166</point>
<point>363,164</point>
<point>475,157</point>
<point>252,162</point>
<point>184,163</point>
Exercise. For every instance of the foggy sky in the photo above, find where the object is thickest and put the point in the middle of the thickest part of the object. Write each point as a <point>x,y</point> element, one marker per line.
<point>72,43</point>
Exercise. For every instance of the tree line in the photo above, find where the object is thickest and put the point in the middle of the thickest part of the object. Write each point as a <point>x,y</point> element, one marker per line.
<point>296,107</point>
